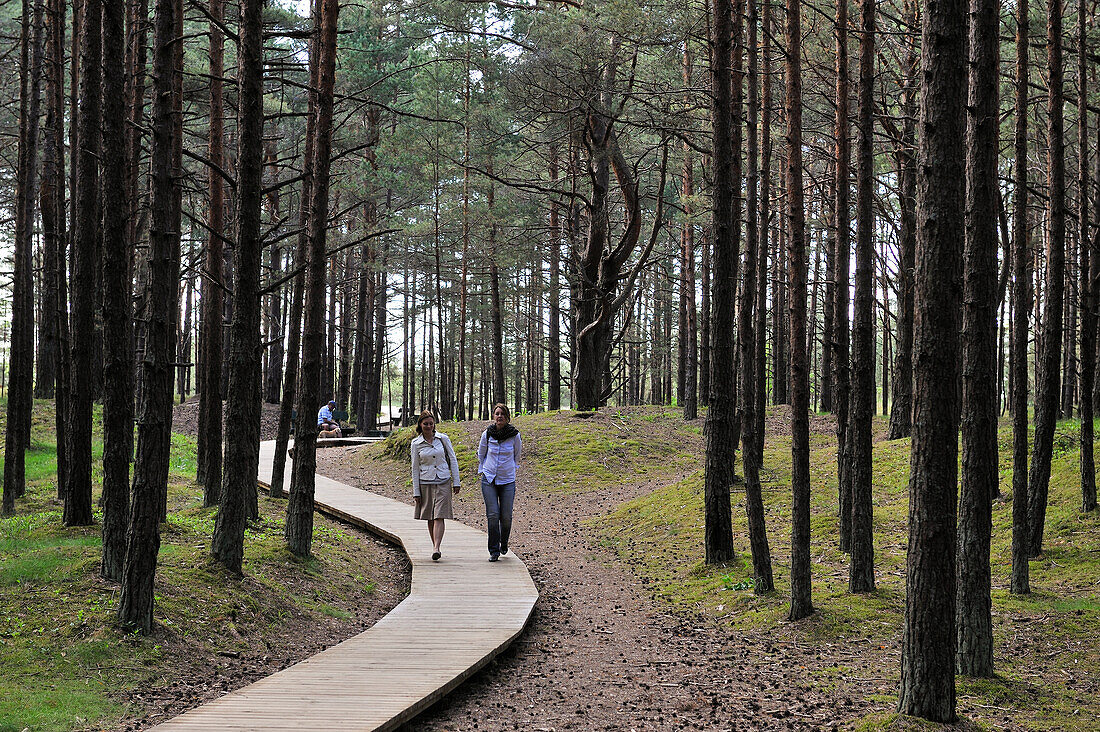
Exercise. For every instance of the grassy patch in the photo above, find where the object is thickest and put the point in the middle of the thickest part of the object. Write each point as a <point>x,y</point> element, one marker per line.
<point>66,665</point>
<point>610,447</point>
<point>1045,641</point>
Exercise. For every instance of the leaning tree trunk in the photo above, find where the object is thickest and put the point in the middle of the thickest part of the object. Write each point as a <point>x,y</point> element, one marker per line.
<point>242,443</point>
<point>720,449</point>
<point>78,430</point>
<point>135,608</point>
<point>299,520</point>
<point>928,636</point>
<point>974,655</point>
<point>1050,346</point>
<point>801,602</point>
<point>861,575</point>
<point>118,376</point>
<point>1021,305</point>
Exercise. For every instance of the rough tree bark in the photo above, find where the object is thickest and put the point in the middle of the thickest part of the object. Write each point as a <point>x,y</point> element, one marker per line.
<point>1021,305</point>
<point>135,608</point>
<point>928,636</point>
<point>209,472</point>
<point>861,575</point>
<point>751,434</point>
<point>21,351</point>
<point>1089,270</point>
<point>242,428</point>
<point>720,450</point>
<point>689,346</point>
<point>1050,346</point>
<point>299,520</point>
<point>301,257</point>
<point>901,418</point>
<point>841,299</point>
<point>974,655</point>
<point>78,430</point>
<point>118,380</point>
<point>801,601</point>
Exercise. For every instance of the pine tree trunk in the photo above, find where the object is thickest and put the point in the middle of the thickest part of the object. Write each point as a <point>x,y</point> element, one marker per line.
<point>1089,269</point>
<point>765,227</point>
<point>21,352</point>
<point>553,371</point>
<point>801,602</point>
<point>155,404</point>
<point>1050,345</point>
<point>209,472</point>
<point>689,366</point>
<point>53,62</point>
<point>861,576</point>
<point>243,399</point>
<point>118,397</point>
<point>751,434</point>
<point>928,636</point>
<point>78,430</point>
<point>299,521</point>
<point>720,449</point>
<point>842,213</point>
<point>1021,303</point>
<point>901,416</point>
<point>301,257</point>
<point>974,654</point>
<point>53,222</point>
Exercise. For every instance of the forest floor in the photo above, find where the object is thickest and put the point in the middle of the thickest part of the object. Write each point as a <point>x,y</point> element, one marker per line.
<point>633,632</point>
<point>67,666</point>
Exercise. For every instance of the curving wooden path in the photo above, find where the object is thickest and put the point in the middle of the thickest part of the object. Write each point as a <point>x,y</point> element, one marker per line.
<point>460,613</point>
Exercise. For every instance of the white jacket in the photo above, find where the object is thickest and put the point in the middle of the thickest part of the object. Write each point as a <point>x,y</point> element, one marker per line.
<point>433,462</point>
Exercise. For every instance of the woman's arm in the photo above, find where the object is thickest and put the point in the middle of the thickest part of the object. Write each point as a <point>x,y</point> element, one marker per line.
<point>482,450</point>
<point>519,448</point>
<point>456,479</point>
<point>416,470</point>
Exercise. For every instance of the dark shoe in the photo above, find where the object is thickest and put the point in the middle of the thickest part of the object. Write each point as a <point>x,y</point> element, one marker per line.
<point>504,549</point>
<point>494,557</point>
<point>436,556</point>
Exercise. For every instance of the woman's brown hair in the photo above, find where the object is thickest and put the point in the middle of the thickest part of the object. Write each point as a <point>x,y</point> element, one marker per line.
<point>423,416</point>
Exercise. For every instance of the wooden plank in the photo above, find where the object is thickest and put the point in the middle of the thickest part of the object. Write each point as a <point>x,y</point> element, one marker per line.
<point>385,676</point>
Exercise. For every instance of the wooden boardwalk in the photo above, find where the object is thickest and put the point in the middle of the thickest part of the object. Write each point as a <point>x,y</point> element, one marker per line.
<point>460,613</point>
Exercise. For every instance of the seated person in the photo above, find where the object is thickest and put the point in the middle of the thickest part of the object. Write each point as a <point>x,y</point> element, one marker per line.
<point>326,423</point>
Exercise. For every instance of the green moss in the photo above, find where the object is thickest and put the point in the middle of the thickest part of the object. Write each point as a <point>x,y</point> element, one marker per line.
<point>657,532</point>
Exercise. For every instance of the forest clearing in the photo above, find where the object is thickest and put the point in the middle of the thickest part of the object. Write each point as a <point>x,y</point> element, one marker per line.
<point>630,627</point>
<point>795,302</point>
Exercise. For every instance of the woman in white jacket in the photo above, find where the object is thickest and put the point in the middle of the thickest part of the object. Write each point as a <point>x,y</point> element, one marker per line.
<point>434,476</point>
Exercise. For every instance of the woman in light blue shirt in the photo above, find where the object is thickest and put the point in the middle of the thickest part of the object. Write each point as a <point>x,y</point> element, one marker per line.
<point>497,455</point>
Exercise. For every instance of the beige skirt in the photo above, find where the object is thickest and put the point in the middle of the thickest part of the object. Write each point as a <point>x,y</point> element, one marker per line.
<point>435,501</point>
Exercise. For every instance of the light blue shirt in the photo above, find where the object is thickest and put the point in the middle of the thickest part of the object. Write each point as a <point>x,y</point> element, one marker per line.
<point>324,415</point>
<point>497,460</point>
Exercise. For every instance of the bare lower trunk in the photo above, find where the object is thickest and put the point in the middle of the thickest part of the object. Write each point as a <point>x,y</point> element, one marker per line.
<point>928,636</point>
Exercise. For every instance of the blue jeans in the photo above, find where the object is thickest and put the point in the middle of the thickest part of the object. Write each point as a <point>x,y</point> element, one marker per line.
<point>498,513</point>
